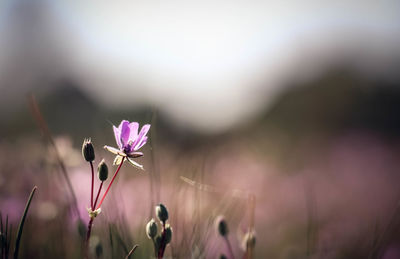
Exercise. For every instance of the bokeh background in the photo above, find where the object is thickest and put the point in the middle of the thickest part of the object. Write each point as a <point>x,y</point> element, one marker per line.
<point>297,103</point>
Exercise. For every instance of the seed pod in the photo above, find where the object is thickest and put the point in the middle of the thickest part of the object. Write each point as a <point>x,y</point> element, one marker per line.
<point>88,150</point>
<point>222,226</point>
<point>151,229</point>
<point>81,228</point>
<point>99,250</point>
<point>102,171</point>
<point>161,212</point>
<point>249,240</point>
<point>168,234</point>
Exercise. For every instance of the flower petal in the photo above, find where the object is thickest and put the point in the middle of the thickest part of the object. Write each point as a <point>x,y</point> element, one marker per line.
<point>142,133</point>
<point>141,143</point>
<point>117,134</point>
<point>117,160</point>
<point>134,127</point>
<point>114,151</point>
<point>125,130</point>
<point>135,164</point>
<point>135,154</point>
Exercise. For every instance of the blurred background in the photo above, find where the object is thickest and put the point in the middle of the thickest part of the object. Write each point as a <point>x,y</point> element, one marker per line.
<point>296,103</point>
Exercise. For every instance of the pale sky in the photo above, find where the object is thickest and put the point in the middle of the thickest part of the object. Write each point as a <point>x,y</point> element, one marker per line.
<point>209,64</point>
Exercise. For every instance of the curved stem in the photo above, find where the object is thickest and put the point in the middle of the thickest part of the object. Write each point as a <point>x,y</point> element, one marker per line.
<point>229,247</point>
<point>109,185</point>
<point>91,191</point>
<point>21,223</point>
<point>98,193</point>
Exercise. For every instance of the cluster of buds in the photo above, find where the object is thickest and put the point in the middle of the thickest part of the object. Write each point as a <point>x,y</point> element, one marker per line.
<point>248,240</point>
<point>160,241</point>
<point>102,174</point>
<point>223,230</point>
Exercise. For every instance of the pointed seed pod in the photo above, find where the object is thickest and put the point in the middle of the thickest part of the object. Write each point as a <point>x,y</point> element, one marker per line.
<point>102,171</point>
<point>151,229</point>
<point>99,250</point>
<point>168,234</point>
<point>222,226</point>
<point>81,229</point>
<point>249,240</point>
<point>162,212</point>
<point>88,150</point>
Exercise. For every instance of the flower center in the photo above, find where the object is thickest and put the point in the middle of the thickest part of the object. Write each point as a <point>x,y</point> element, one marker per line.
<point>128,146</point>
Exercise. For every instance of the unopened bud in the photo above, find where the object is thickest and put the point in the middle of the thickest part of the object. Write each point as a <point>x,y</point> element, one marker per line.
<point>151,229</point>
<point>102,171</point>
<point>81,229</point>
<point>249,240</point>
<point>99,250</point>
<point>168,234</point>
<point>88,150</point>
<point>222,226</point>
<point>161,212</point>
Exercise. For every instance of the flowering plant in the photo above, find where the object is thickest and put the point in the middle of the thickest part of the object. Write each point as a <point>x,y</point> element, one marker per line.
<point>129,141</point>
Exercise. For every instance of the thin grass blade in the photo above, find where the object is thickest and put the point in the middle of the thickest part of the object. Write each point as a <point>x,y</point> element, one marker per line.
<point>21,224</point>
<point>131,252</point>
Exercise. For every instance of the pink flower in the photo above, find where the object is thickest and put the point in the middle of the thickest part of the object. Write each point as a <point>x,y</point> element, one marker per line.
<point>129,141</point>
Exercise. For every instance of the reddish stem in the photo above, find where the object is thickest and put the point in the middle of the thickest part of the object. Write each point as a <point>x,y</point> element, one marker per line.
<point>109,185</point>
<point>161,249</point>
<point>229,247</point>
<point>91,192</point>
<point>89,231</point>
<point>98,193</point>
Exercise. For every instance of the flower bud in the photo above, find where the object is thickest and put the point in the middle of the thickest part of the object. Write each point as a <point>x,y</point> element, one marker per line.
<point>102,171</point>
<point>88,150</point>
<point>161,212</point>
<point>221,226</point>
<point>168,234</point>
<point>249,240</point>
<point>81,229</point>
<point>151,229</point>
<point>99,250</point>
